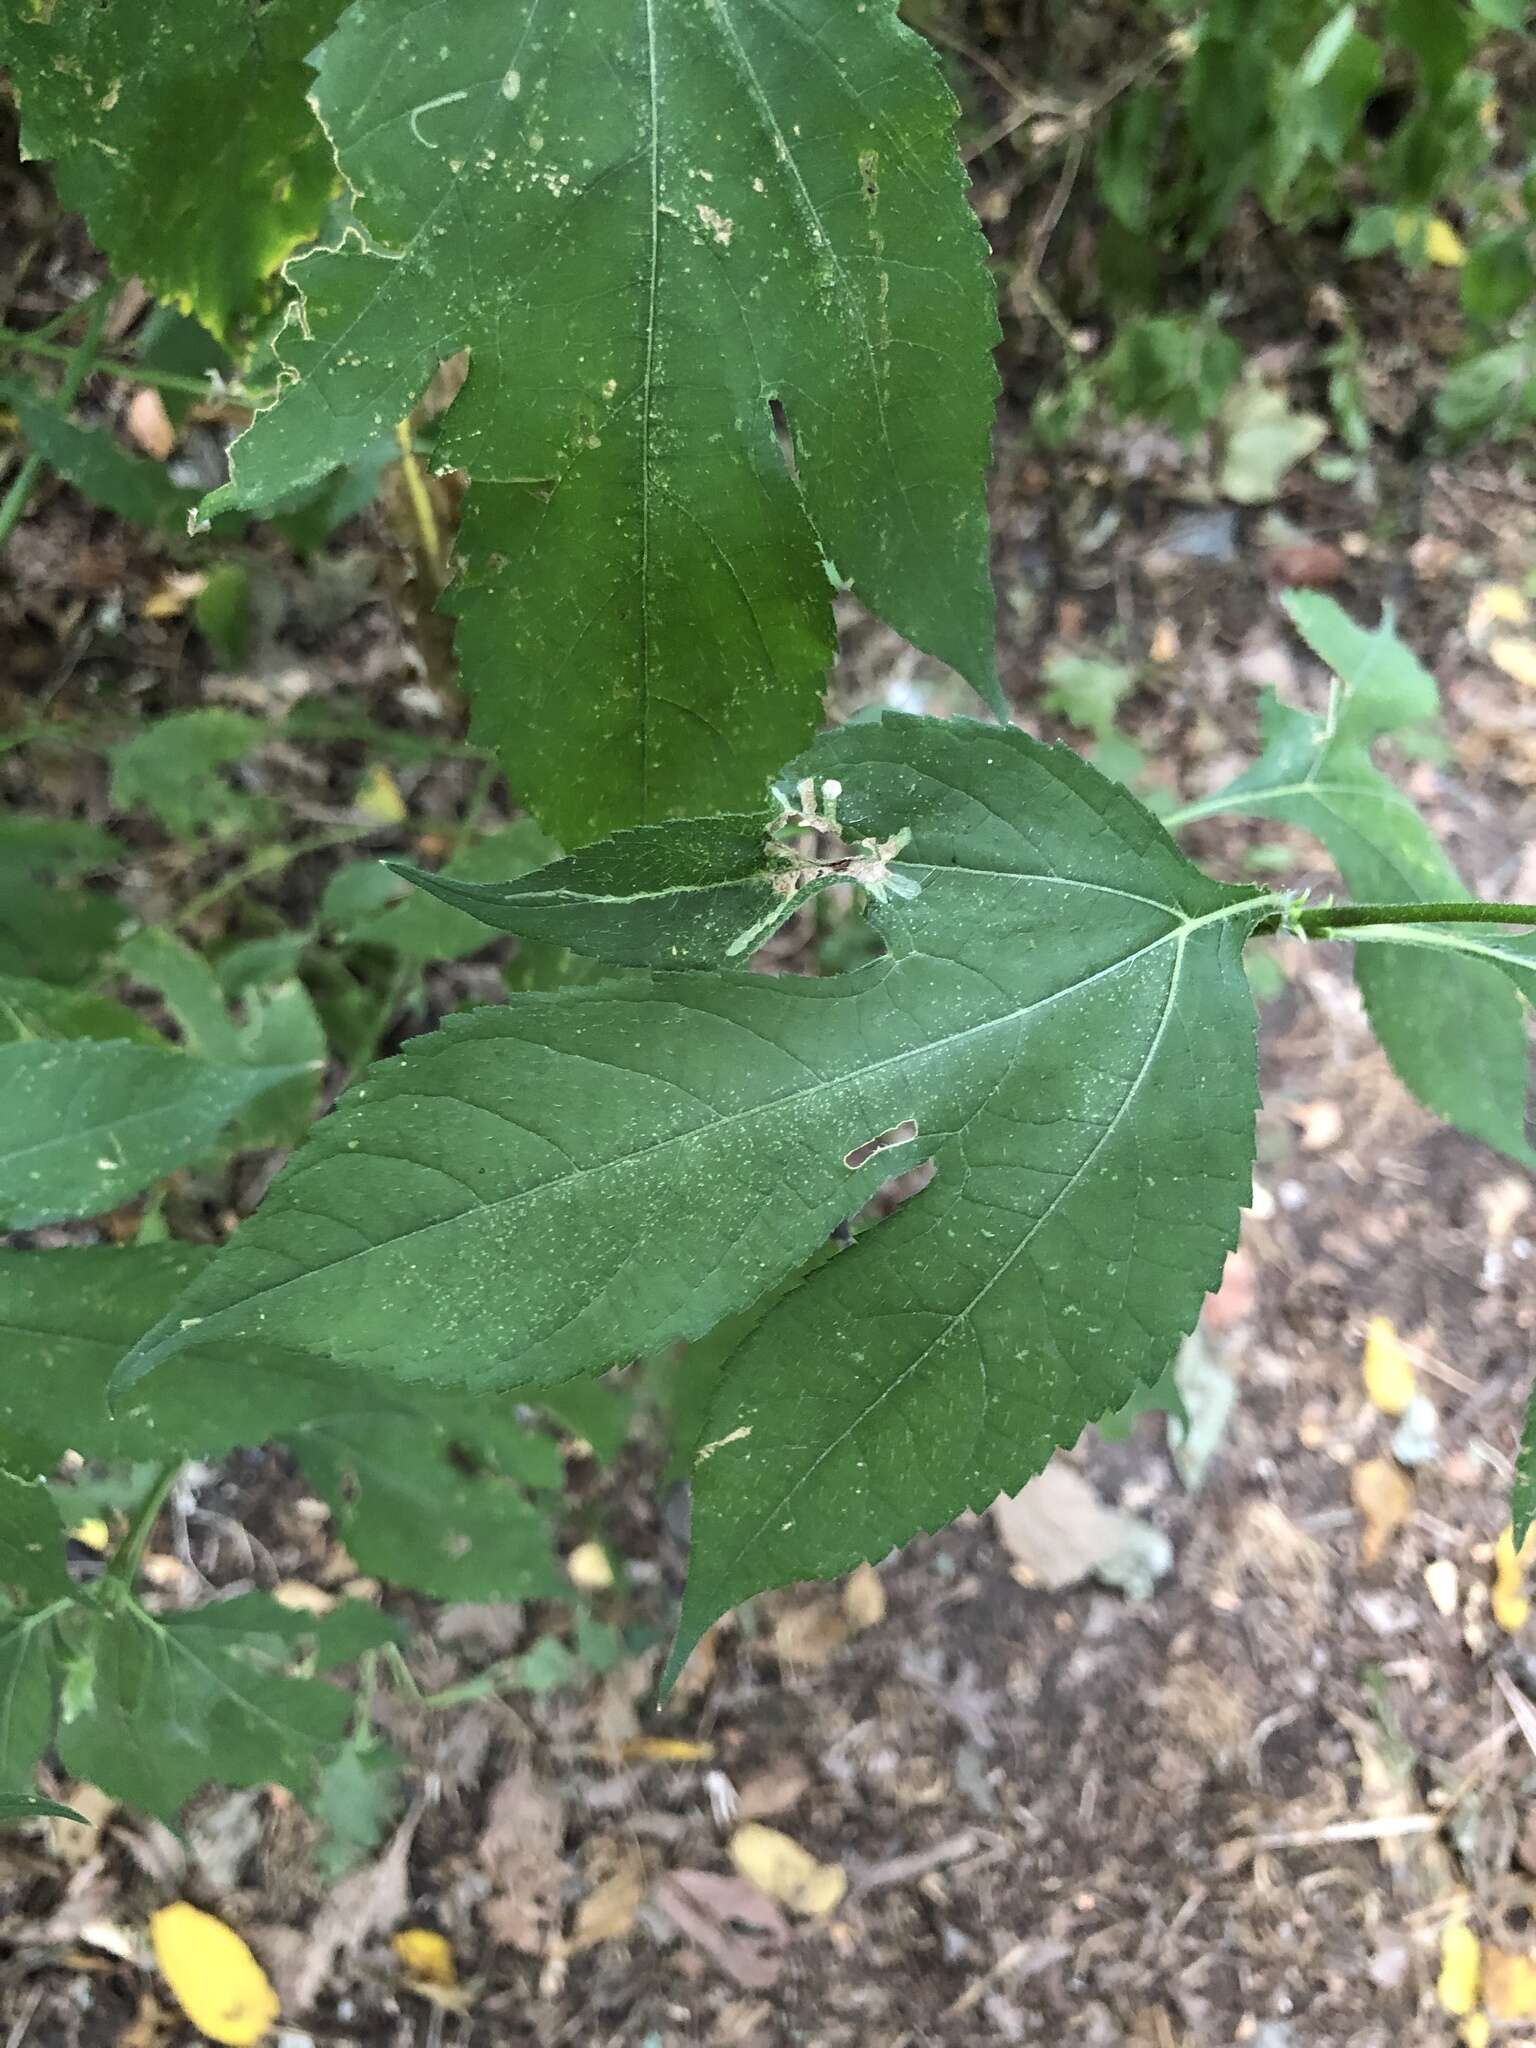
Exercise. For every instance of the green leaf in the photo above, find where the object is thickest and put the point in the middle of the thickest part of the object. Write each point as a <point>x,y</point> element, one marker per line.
<point>171,768</point>
<point>282,1030</point>
<point>1492,392</point>
<point>180,129</point>
<point>53,934</point>
<point>44,848</point>
<point>419,1499</point>
<point>1451,1024</point>
<point>357,1795</point>
<point>15,1806</point>
<point>88,1125</point>
<point>222,612</point>
<point>37,1009</point>
<point>189,987</point>
<point>693,211</point>
<point>427,1491</point>
<point>1522,1505</point>
<point>26,1692</point>
<point>1061,1023</point>
<point>186,1700</point>
<point>1265,441</point>
<point>31,1544</point>
<point>656,896</point>
<point>102,472</point>
<point>1087,689</point>
<point>421,930</point>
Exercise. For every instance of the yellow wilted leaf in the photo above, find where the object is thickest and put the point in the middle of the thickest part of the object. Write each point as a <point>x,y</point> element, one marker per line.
<point>1509,1985</point>
<point>1475,2030</point>
<point>1383,1497</point>
<point>379,797</point>
<point>785,1871</point>
<point>92,1532</point>
<point>426,1956</point>
<point>1511,1607</point>
<point>864,1597</point>
<point>589,1569</point>
<point>1390,1380</point>
<point>1516,657</point>
<point>1496,604</point>
<point>216,1980</point>
<point>665,1749</point>
<point>1444,246</point>
<point>1460,1969</point>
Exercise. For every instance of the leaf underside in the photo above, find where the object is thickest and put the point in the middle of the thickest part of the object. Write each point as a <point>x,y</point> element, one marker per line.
<point>1061,1024</point>
<point>646,224</point>
<point>180,129</point>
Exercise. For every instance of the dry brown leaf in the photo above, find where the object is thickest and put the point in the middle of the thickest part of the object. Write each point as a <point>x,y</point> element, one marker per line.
<point>1509,1985</point>
<point>300,1597</point>
<point>864,1598</point>
<point>608,1910</point>
<point>217,1982</point>
<point>777,1865</point>
<point>519,1851</point>
<point>809,1631</point>
<point>731,1920</point>
<point>1383,1497</point>
<point>783,1785</point>
<point>149,424</point>
<point>360,1907</point>
<point>68,1842</point>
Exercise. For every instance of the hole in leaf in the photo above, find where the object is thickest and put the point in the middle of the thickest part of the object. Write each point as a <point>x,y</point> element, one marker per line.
<point>786,434</point>
<point>899,1134</point>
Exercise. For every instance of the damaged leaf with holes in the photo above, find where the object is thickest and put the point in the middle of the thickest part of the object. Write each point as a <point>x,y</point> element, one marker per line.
<point>1061,1023</point>
<point>180,129</point>
<point>744,205</point>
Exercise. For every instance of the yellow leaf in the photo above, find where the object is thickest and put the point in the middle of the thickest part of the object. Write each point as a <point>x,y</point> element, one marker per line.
<point>1444,246</point>
<point>1496,604</point>
<point>1390,1380</point>
<point>1460,1969</point>
<point>1383,1497</point>
<point>665,1749</point>
<point>785,1871</point>
<point>1475,2030</point>
<point>379,798</point>
<point>1509,1985</point>
<point>1511,1608</point>
<point>1444,1583</point>
<point>589,1569</point>
<point>216,1980</point>
<point>864,1597</point>
<point>426,1956</point>
<point>1516,657</point>
<point>92,1532</point>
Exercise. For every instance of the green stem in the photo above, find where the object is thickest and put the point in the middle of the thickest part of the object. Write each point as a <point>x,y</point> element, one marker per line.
<point>82,360</point>
<point>270,860</point>
<point>137,373</point>
<point>125,1562</point>
<point>1336,920</point>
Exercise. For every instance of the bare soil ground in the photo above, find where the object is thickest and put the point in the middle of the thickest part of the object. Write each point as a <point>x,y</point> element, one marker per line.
<point>1238,1811</point>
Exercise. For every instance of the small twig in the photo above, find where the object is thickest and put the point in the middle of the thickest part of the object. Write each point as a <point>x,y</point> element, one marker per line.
<point>1520,1706</point>
<point>427,528</point>
<point>15,342</point>
<point>1387,1828</point>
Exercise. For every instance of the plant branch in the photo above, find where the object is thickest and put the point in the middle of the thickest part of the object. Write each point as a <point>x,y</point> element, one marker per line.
<point>17,343</point>
<point>1337,920</point>
<point>125,1562</point>
<point>81,360</point>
